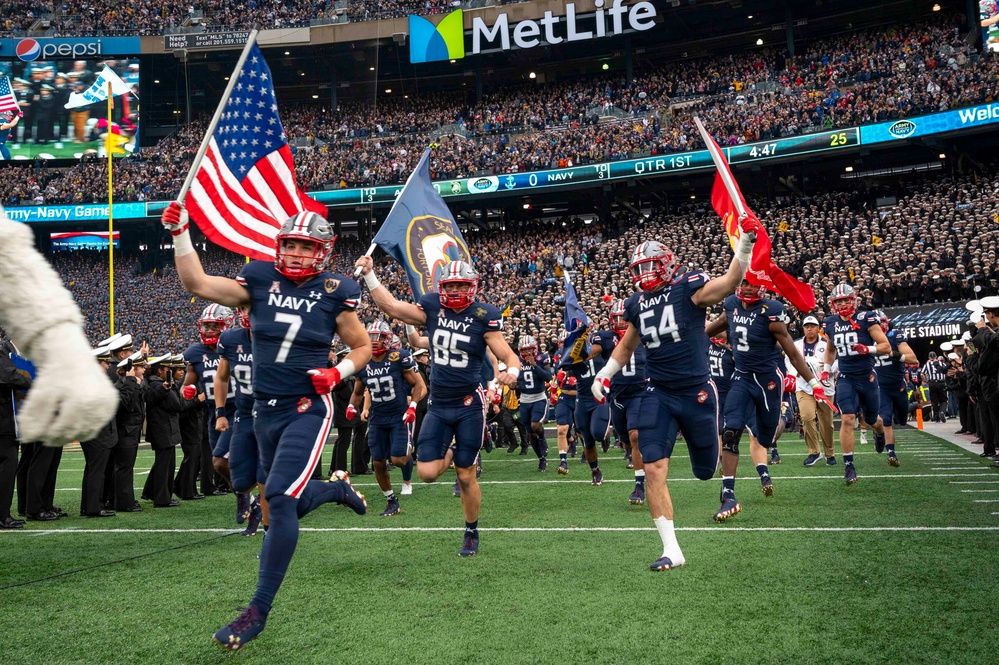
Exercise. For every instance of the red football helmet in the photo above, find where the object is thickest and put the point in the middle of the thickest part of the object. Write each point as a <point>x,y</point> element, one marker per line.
<point>243,316</point>
<point>750,293</point>
<point>380,334</point>
<point>652,265</point>
<point>311,228</point>
<point>843,300</point>
<point>883,320</point>
<point>455,275</point>
<point>617,322</point>
<point>213,320</point>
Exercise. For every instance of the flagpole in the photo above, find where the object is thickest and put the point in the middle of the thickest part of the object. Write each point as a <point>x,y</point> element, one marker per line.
<point>196,164</point>
<point>108,149</point>
<point>723,172</point>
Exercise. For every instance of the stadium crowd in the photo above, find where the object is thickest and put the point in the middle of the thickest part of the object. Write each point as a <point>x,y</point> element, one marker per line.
<point>843,81</point>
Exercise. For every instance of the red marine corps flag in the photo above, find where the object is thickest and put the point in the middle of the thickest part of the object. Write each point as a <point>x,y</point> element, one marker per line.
<point>728,202</point>
<point>241,187</point>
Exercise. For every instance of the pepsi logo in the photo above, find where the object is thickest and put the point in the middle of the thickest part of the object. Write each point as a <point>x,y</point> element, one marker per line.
<point>28,50</point>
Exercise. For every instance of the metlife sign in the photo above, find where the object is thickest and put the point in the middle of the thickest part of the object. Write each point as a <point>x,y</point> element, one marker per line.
<point>29,50</point>
<point>447,40</point>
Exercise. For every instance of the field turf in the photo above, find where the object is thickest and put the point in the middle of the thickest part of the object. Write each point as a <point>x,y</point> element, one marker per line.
<point>895,569</point>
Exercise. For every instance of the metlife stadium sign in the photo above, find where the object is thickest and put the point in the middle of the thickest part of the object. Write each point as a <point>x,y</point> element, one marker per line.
<point>447,39</point>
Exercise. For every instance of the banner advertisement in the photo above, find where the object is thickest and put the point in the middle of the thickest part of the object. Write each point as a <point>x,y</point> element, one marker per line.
<point>949,319</point>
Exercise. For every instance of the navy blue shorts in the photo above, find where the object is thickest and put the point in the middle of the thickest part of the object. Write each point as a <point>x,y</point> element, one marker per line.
<point>243,456</point>
<point>591,421</point>
<point>390,440</point>
<point>291,433</point>
<point>565,410</point>
<point>625,410</point>
<point>894,405</point>
<point>534,412</point>
<point>465,425</point>
<point>859,395</point>
<point>692,410</point>
<point>754,401</point>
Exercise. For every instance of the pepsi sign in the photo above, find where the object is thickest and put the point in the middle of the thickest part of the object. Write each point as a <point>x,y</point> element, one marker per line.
<point>29,50</point>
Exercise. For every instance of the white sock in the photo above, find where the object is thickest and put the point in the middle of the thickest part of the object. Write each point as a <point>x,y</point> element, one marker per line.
<point>388,493</point>
<point>671,548</point>
<point>640,473</point>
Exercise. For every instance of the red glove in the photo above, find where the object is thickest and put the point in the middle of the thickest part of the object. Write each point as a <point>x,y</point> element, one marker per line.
<point>861,349</point>
<point>189,391</point>
<point>571,382</point>
<point>350,412</point>
<point>560,377</point>
<point>410,415</point>
<point>323,380</point>
<point>174,219</point>
<point>601,387</point>
<point>553,398</point>
<point>824,379</point>
<point>820,396</point>
<point>497,397</point>
<point>790,383</point>
<point>750,224</point>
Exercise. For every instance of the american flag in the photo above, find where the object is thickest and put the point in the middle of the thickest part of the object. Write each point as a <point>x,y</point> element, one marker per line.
<point>245,188</point>
<point>7,100</point>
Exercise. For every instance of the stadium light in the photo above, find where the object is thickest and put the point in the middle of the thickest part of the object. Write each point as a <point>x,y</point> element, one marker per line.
<point>371,69</point>
<point>759,42</point>
<point>750,17</point>
<point>287,52</point>
<point>849,169</point>
<point>388,91</point>
<point>605,67</point>
<point>942,156</point>
<point>156,81</point>
<point>315,96</point>
<point>936,8</point>
<point>532,75</point>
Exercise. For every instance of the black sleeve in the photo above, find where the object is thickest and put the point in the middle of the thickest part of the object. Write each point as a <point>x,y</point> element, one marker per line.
<point>9,375</point>
<point>173,402</point>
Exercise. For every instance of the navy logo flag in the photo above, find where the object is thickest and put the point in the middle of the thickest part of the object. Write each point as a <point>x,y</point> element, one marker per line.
<point>420,232</point>
<point>577,326</point>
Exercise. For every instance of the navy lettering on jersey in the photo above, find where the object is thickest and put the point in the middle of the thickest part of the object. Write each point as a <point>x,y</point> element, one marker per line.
<point>843,334</point>
<point>891,372</point>
<point>293,326</point>
<point>386,382</point>
<point>671,328</point>
<point>457,347</point>
<point>722,365</point>
<point>532,380</point>
<point>753,345</point>
<point>205,362</point>
<point>237,348</point>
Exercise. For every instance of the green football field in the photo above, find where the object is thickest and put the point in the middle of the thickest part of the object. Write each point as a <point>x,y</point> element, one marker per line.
<point>895,569</point>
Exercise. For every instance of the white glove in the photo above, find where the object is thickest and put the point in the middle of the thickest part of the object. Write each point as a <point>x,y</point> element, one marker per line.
<point>600,388</point>
<point>744,248</point>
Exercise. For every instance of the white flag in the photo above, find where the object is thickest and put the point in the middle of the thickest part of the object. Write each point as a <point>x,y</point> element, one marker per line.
<point>98,91</point>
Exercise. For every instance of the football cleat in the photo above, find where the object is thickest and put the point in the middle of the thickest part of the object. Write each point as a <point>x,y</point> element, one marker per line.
<point>811,459</point>
<point>879,443</point>
<point>456,490</point>
<point>563,468</point>
<point>767,486</point>
<point>598,477</point>
<point>665,563</point>
<point>253,521</point>
<point>470,545</point>
<point>543,464</point>
<point>851,474</point>
<point>637,497</point>
<point>893,460</point>
<point>243,506</point>
<point>774,457</point>
<point>392,508</point>
<point>407,489</point>
<point>246,627</point>
<point>728,508</point>
<point>572,450</point>
<point>351,497</point>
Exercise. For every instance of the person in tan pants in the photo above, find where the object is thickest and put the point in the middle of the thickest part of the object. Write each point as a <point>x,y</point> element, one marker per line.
<point>816,418</point>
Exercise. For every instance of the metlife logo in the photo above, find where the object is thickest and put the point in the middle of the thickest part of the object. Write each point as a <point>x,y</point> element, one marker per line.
<point>429,43</point>
<point>29,50</point>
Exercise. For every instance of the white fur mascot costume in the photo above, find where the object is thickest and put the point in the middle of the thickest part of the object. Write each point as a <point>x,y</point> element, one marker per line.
<point>71,397</point>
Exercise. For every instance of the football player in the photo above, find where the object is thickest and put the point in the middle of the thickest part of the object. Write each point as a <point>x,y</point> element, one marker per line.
<point>565,410</point>
<point>856,339</point>
<point>592,417</point>
<point>626,390</point>
<point>389,387</point>
<point>296,307</point>
<point>534,374</point>
<point>757,327</point>
<point>667,317</point>
<point>235,349</point>
<point>890,370</point>
<point>461,329</point>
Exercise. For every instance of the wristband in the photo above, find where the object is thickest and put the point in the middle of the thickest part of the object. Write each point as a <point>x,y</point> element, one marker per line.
<point>827,368</point>
<point>814,383</point>
<point>346,368</point>
<point>610,369</point>
<point>412,404</point>
<point>513,371</point>
<point>182,244</point>
<point>872,350</point>
<point>371,279</point>
<point>897,355</point>
<point>220,412</point>
<point>410,329</point>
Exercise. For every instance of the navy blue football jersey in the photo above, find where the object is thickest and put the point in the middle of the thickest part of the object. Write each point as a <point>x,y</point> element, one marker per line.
<point>891,372</point>
<point>532,380</point>
<point>671,327</point>
<point>722,365</point>
<point>237,348</point>
<point>753,345</point>
<point>632,375</point>
<point>585,373</point>
<point>457,347</point>
<point>386,382</point>
<point>205,362</point>
<point>293,326</point>
<point>843,334</point>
